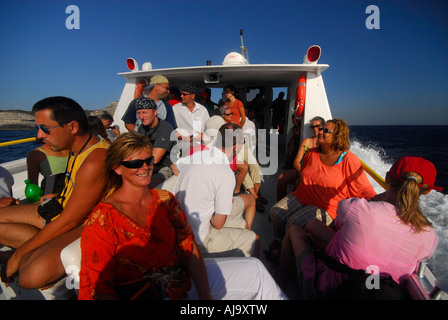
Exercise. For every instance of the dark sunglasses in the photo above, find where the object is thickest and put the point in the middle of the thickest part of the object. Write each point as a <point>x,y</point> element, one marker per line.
<point>325,130</point>
<point>138,163</point>
<point>47,130</point>
<point>228,114</point>
<point>316,126</point>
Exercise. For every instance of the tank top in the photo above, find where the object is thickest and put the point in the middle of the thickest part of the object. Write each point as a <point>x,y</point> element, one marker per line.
<point>52,164</point>
<point>73,165</point>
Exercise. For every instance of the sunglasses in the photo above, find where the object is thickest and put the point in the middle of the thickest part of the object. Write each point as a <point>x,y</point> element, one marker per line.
<point>316,126</point>
<point>325,130</point>
<point>47,130</point>
<point>185,94</point>
<point>228,114</point>
<point>138,163</point>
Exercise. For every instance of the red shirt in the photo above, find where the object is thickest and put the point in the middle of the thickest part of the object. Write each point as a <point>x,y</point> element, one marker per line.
<point>117,250</point>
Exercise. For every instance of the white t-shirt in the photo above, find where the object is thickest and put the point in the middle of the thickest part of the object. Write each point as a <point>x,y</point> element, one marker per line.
<point>204,186</point>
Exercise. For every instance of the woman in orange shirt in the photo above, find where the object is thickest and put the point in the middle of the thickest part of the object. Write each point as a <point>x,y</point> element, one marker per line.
<point>235,106</point>
<point>329,174</point>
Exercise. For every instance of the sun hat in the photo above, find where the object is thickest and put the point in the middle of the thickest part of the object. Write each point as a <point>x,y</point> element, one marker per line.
<point>423,167</point>
<point>145,103</point>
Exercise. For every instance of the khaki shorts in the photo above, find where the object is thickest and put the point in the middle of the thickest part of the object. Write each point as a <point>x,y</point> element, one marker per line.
<point>231,236</point>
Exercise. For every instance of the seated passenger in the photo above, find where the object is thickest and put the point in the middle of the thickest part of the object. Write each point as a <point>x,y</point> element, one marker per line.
<point>330,173</point>
<point>159,133</point>
<point>190,118</point>
<point>6,183</point>
<point>137,243</point>
<point>247,167</point>
<point>401,237</point>
<point>204,189</point>
<point>159,91</point>
<point>97,127</point>
<point>291,176</point>
<point>47,162</point>
<point>39,236</point>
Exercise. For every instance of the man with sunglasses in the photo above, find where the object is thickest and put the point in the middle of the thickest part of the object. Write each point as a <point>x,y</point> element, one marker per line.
<point>159,132</point>
<point>159,91</point>
<point>37,237</point>
<point>191,117</point>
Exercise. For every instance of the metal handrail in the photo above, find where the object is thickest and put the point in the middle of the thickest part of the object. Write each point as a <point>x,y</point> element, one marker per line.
<point>374,175</point>
<point>9,143</point>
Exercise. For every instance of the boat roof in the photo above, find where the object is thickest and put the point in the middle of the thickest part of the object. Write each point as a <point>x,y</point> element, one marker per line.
<point>278,75</point>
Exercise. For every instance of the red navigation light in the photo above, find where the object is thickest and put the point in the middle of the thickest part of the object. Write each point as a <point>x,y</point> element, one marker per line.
<point>313,54</point>
<point>132,64</point>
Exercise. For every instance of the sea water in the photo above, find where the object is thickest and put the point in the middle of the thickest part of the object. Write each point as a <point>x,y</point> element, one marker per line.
<point>378,147</point>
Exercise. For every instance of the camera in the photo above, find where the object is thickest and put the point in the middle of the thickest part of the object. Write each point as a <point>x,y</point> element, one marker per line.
<point>49,209</point>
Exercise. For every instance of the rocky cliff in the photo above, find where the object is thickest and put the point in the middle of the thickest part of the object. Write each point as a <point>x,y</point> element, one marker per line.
<point>19,119</point>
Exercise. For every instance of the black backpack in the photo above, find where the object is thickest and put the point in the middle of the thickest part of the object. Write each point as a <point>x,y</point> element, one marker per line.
<point>355,288</point>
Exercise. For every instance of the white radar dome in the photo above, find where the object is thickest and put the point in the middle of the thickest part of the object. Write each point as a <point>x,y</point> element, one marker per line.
<point>234,58</point>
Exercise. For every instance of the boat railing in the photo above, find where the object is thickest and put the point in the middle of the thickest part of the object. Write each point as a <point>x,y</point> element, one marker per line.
<point>12,142</point>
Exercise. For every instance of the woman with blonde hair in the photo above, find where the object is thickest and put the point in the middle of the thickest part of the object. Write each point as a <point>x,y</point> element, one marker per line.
<point>329,174</point>
<point>137,243</point>
<point>388,234</point>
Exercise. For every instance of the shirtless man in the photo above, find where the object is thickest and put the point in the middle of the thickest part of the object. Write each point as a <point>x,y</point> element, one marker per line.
<point>62,124</point>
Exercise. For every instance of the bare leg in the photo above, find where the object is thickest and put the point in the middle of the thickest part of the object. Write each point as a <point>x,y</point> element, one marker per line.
<point>43,266</point>
<point>249,208</point>
<point>242,168</point>
<point>18,224</point>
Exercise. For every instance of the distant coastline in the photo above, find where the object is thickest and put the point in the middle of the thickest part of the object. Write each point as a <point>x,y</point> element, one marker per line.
<point>20,119</point>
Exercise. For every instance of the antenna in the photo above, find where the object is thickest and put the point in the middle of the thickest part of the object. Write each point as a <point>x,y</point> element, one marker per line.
<point>243,48</point>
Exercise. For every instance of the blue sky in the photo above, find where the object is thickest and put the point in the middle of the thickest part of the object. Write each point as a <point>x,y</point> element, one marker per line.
<point>397,74</point>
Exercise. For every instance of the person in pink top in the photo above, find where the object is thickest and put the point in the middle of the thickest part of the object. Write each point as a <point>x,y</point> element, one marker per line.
<point>388,235</point>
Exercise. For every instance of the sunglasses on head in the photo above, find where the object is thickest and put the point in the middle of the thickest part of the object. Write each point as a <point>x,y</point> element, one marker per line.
<point>325,130</point>
<point>47,130</point>
<point>138,163</point>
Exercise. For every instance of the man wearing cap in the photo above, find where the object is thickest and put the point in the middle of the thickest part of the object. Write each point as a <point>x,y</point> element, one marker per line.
<point>190,117</point>
<point>158,131</point>
<point>159,91</point>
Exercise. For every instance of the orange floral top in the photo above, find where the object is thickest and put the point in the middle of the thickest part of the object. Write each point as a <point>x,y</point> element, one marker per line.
<point>117,250</point>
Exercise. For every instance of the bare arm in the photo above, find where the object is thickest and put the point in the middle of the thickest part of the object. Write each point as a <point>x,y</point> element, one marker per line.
<point>218,220</point>
<point>86,194</point>
<point>33,159</point>
<point>300,155</point>
<point>198,273</point>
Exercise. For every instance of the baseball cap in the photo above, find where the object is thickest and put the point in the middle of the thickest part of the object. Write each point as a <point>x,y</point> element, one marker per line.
<point>423,167</point>
<point>158,79</point>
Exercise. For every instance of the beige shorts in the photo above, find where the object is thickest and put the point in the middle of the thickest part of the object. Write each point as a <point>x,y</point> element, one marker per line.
<point>232,239</point>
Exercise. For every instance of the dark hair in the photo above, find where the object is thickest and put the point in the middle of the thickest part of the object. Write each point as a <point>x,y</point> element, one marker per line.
<point>97,127</point>
<point>233,89</point>
<point>63,111</point>
<point>107,116</point>
<point>230,131</point>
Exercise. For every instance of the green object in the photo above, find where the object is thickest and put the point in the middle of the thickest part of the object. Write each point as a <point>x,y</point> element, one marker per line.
<point>33,192</point>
